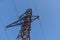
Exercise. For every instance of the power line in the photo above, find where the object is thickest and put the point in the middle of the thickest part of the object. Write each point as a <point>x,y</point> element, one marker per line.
<point>7,36</point>
<point>6,33</point>
<point>39,20</point>
<point>35,7</point>
<point>15,7</point>
<point>43,34</point>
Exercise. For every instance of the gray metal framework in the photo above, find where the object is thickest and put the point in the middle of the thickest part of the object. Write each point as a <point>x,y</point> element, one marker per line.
<point>25,22</point>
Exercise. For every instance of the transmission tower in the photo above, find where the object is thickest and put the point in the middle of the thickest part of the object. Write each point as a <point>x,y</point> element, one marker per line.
<point>25,21</point>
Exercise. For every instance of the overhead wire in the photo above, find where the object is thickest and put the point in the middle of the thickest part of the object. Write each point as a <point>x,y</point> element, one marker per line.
<point>15,7</point>
<point>5,32</point>
<point>41,28</point>
<point>39,20</point>
<point>13,2</point>
<point>35,7</point>
<point>7,35</point>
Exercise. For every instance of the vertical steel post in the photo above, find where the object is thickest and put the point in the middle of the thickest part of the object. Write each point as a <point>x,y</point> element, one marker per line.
<point>24,33</point>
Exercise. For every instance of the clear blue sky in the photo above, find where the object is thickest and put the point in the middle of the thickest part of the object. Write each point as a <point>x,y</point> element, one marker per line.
<point>47,28</point>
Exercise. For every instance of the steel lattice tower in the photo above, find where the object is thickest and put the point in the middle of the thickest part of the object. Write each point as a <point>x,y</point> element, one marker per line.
<point>25,22</point>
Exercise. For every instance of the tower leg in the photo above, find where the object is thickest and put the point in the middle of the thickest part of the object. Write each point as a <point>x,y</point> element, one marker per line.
<point>24,33</point>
